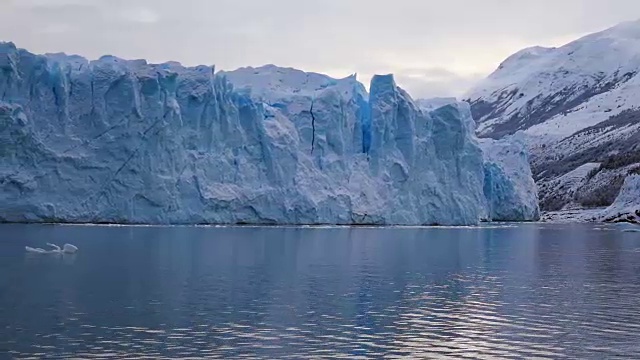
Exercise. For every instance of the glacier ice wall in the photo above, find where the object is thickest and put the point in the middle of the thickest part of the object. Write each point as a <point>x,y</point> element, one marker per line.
<point>626,207</point>
<point>511,193</point>
<point>130,142</point>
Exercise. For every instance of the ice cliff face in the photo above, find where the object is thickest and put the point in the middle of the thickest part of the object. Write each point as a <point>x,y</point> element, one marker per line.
<point>626,207</point>
<point>509,187</point>
<point>130,142</point>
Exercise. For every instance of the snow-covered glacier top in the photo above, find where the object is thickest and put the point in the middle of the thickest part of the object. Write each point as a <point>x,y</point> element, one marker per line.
<point>272,83</point>
<point>434,103</point>
<point>123,141</point>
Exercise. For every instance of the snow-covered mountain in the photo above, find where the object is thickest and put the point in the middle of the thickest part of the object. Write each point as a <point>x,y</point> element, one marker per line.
<point>123,141</point>
<point>578,104</point>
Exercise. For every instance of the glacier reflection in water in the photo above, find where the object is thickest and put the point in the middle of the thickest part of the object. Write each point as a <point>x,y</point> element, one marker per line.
<point>527,291</point>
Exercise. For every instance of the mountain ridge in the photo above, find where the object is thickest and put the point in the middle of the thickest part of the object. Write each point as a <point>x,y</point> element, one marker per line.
<point>577,104</point>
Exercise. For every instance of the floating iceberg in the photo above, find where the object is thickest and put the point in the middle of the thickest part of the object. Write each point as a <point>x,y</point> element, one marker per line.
<point>115,141</point>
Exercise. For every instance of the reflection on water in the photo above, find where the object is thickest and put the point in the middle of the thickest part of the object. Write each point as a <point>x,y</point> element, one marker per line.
<point>531,291</point>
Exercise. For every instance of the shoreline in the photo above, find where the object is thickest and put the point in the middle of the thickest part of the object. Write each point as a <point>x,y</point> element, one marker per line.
<point>576,216</point>
<point>505,224</point>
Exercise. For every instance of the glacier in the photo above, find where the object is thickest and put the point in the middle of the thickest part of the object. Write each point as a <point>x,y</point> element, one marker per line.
<point>126,141</point>
<point>511,193</point>
<point>626,207</point>
<point>509,188</point>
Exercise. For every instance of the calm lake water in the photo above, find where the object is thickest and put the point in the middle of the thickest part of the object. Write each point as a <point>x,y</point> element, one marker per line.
<point>527,291</point>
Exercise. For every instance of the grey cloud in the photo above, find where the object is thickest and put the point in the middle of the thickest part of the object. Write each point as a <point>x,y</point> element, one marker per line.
<point>411,38</point>
<point>435,82</point>
<point>140,15</point>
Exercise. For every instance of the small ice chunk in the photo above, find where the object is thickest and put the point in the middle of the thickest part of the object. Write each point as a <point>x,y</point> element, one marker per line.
<point>69,249</point>
<point>66,249</point>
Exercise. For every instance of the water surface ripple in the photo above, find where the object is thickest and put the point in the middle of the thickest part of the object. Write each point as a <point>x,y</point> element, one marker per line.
<point>505,292</point>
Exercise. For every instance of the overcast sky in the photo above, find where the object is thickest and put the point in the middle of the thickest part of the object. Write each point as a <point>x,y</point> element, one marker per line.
<point>435,47</point>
